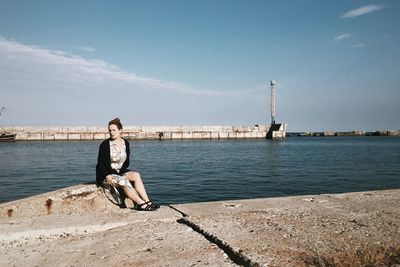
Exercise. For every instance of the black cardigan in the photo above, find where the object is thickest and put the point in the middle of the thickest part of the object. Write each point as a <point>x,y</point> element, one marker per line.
<point>103,167</point>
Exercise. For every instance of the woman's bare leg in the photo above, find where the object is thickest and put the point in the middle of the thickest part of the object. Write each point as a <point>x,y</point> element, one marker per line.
<point>139,186</point>
<point>133,195</point>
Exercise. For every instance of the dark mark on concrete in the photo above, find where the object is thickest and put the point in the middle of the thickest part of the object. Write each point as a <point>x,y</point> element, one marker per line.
<point>10,212</point>
<point>181,212</point>
<point>236,256</point>
<point>48,205</point>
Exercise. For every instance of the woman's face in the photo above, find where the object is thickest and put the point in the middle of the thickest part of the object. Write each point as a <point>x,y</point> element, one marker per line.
<point>114,131</point>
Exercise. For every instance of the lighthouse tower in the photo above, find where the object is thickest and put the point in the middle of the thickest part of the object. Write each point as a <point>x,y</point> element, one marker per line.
<point>276,130</point>
<point>272,107</point>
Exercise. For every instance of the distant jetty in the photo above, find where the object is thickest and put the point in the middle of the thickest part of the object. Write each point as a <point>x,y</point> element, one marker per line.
<point>71,133</point>
<point>257,131</point>
<point>348,133</point>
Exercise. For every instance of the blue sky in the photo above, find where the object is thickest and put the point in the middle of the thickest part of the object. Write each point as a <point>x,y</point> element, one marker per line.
<point>201,63</point>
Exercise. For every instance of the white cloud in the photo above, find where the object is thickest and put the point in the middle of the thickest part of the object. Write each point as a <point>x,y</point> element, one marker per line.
<point>342,36</point>
<point>359,45</point>
<point>86,48</point>
<point>361,11</point>
<point>43,86</point>
<point>73,67</point>
<point>68,67</point>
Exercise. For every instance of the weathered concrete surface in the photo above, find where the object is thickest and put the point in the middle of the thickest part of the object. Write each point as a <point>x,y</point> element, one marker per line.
<point>122,238</point>
<point>80,199</point>
<point>108,236</point>
<point>260,232</point>
<point>286,231</point>
<point>54,133</point>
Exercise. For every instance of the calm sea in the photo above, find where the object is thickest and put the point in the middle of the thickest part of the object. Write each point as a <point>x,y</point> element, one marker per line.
<point>193,171</point>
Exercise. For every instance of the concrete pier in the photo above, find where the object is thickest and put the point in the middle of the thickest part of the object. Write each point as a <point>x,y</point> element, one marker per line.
<point>78,226</point>
<point>55,133</point>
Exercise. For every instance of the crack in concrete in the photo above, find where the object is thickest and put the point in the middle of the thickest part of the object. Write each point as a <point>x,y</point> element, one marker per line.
<point>235,256</point>
<point>177,210</point>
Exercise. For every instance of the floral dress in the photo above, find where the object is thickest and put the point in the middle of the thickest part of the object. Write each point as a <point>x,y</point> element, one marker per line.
<point>117,157</point>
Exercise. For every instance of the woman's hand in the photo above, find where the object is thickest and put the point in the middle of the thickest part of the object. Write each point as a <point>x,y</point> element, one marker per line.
<point>110,180</point>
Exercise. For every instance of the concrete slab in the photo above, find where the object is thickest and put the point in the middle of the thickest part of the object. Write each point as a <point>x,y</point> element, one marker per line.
<point>79,227</point>
<point>296,231</point>
<point>123,238</point>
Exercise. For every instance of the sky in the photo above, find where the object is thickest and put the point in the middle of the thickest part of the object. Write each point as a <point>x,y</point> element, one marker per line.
<point>198,62</point>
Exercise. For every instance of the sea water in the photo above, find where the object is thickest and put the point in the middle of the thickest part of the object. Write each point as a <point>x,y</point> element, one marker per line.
<point>209,170</point>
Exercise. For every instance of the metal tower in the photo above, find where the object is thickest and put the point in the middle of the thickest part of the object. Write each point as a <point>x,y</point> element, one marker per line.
<point>272,107</point>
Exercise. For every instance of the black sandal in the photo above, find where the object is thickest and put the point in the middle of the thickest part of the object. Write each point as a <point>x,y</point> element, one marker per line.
<point>155,206</point>
<point>148,207</point>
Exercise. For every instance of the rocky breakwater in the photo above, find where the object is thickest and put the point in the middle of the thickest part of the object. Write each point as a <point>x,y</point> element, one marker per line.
<point>81,228</point>
<point>351,133</point>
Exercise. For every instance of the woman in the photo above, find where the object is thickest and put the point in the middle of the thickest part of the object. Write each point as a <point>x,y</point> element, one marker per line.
<point>112,169</point>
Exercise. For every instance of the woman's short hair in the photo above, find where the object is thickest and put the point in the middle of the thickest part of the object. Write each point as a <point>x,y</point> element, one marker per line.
<point>116,122</point>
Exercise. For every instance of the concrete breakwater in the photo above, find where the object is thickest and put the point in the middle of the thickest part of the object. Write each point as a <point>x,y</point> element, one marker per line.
<point>54,133</point>
<point>78,226</point>
<point>348,133</point>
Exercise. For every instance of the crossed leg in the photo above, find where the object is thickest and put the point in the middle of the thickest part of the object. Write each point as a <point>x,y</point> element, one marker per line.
<point>139,195</point>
